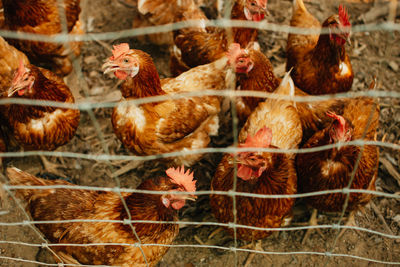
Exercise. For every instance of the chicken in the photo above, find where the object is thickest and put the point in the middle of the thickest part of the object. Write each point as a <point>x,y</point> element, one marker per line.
<point>77,204</point>
<point>320,62</point>
<point>275,123</point>
<point>332,168</point>
<point>42,17</point>
<point>160,12</point>
<point>201,45</point>
<point>254,73</point>
<point>2,23</point>
<point>170,125</point>
<point>40,127</point>
<point>9,61</point>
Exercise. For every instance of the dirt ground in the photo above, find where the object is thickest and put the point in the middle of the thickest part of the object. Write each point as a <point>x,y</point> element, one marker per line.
<point>372,53</point>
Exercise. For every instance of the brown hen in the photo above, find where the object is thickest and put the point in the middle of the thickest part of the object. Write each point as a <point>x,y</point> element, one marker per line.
<point>202,45</point>
<point>10,60</point>
<point>254,73</point>
<point>171,125</point>
<point>320,62</point>
<point>76,204</point>
<point>273,124</point>
<point>42,17</point>
<point>332,168</point>
<point>40,127</point>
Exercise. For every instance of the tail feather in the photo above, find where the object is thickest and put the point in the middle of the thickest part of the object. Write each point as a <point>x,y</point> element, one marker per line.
<point>299,4</point>
<point>286,87</point>
<point>18,177</point>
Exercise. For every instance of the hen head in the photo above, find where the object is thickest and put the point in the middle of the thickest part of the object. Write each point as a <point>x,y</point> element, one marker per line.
<point>341,129</point>
<point>183,181</point>
<point>123,63</point>
<point>339,22</point>
<point>252,164</point>
<point>22,83</point>
<point>255,10</point>
<point>239,59</point>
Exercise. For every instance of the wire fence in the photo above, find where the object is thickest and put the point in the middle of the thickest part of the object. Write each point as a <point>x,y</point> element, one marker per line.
<point>106,156</point>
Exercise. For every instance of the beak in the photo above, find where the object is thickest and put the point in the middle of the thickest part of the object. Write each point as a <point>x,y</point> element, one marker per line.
<point>265,12</point>
<point>192,198</point>
<point>346,36</point>
<point>11,91</point>
<point>109,67</point>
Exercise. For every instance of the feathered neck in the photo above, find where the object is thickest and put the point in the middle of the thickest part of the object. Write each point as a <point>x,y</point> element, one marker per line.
<point>44,89</point>
<point>144,206</point>
<point>25,12</point>
<point>261,78</point>
<point>144,84</point>
<point>274,179</point>
<point>237,11</point>
<point>242,35</point>
<point>327,51</point>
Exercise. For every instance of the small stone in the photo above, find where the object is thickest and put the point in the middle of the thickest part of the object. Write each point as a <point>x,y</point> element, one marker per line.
<point>393,65</point>
<point>90,59</point>
<point>93,73</point>
<point>397,219</point>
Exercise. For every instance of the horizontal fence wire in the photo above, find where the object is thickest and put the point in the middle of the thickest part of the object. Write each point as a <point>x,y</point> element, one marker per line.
<point>89,107</point>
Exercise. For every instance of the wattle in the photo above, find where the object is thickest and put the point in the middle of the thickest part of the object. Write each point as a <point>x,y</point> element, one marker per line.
<point>258,16</point>
<point>21,92</point>
<point>120,74</point>
<point>178,204</point>
<point>246,173</point>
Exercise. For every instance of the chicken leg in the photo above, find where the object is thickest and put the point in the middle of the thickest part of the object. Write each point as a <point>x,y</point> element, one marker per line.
<point>350,222</point>
<point>49,166</point>
<point>256,246</point>
<point>312,222</point>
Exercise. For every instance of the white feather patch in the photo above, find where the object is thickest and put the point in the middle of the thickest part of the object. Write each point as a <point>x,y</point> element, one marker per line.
<point>344,69</point>
<point>131,113</point>
<point>40,125</point>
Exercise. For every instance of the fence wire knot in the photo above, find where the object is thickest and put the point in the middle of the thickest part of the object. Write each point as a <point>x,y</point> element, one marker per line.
<point>232,225</point>
<point>346,191</point>
<point>126,221</point>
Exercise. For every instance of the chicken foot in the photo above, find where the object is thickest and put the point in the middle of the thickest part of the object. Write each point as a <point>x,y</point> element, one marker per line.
<point>49,166</point>
<point>312,222</point>
<point>256,246</point>
<point>350,222</point>
<point>215,232</point>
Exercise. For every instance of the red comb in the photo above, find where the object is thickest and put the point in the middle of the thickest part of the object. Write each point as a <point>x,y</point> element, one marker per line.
<point>261,139</point>
<point>119,50</point>
<point>233,52</point>
<point>180,177</point>
<point>262,3</point>
<point>339,118</point>
<point>20,71</point>
<point>343,16</point>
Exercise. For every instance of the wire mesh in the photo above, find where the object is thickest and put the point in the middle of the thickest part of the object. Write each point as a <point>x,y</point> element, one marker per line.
<point>98,110</point>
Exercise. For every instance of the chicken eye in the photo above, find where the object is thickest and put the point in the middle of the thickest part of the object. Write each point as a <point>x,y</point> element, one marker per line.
<point>253,4</point>
<point>126,60</point>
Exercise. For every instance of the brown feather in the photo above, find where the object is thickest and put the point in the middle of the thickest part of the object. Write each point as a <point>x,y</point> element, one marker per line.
<point>268,212</point>
<point>43,127</point>
<point>317,62</point>
<point>171,125</point>
<point>73,204</point>
<point>198,47</point>
<point>331,169</point>
<point>42,17</point>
